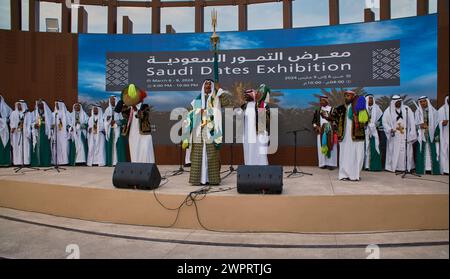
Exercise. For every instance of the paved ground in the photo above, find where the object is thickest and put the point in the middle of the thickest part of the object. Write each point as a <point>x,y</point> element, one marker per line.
<point>323,182</point>
<point>33,235</point>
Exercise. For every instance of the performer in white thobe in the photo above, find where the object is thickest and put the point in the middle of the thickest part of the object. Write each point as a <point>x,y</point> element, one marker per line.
<point>351,136</point>
<point>139,137</point>
<point>60,139</point>
<point>326,145</point>
<point>203,130</point>
<point>373,153</point>
<point>96,138</point>
<point>42,135</point>
<point>443,127</point>
<point>20,123</point>
<point>5,143</point>
<point>115,143</point>
<point>400,130</point>
<point>255,132</point>
<point>78,134</point>
<point>427,148</point>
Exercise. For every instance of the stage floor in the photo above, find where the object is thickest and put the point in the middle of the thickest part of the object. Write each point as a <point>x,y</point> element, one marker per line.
<point>322,182</point>
<point>319,203</point>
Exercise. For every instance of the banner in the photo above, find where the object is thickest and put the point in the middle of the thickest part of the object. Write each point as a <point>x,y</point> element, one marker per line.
<point>362,64</point>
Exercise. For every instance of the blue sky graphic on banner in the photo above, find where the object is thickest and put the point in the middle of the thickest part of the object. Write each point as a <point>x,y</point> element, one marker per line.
<point>418,58</point>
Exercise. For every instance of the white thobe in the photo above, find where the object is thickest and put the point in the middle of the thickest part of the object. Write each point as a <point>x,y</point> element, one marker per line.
<point>443,151</point>
<point>421,133</point>
<point>116,130</point>
<point>204,175</point>
<point>396,145</point>
<point>96,143</point>
<point>21,139</point>
<point>375,114</point>
<point>5,111</point>
<point>141,146</point>
<point>255,144</point>
<point>79,145</point>
<point>351,156</point>
<point>60,146</point>
<point>323,159</point>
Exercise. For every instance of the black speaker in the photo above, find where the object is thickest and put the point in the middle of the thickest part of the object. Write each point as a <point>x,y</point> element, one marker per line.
<point>144,176</point>
<point>260,179</point>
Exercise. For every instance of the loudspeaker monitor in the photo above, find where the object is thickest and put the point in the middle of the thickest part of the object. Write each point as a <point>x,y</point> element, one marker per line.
<point>260,179</point>
<point>144,176</point>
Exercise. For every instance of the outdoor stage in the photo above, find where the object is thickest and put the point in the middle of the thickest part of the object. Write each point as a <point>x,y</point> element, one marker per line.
<point>318,203</point>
